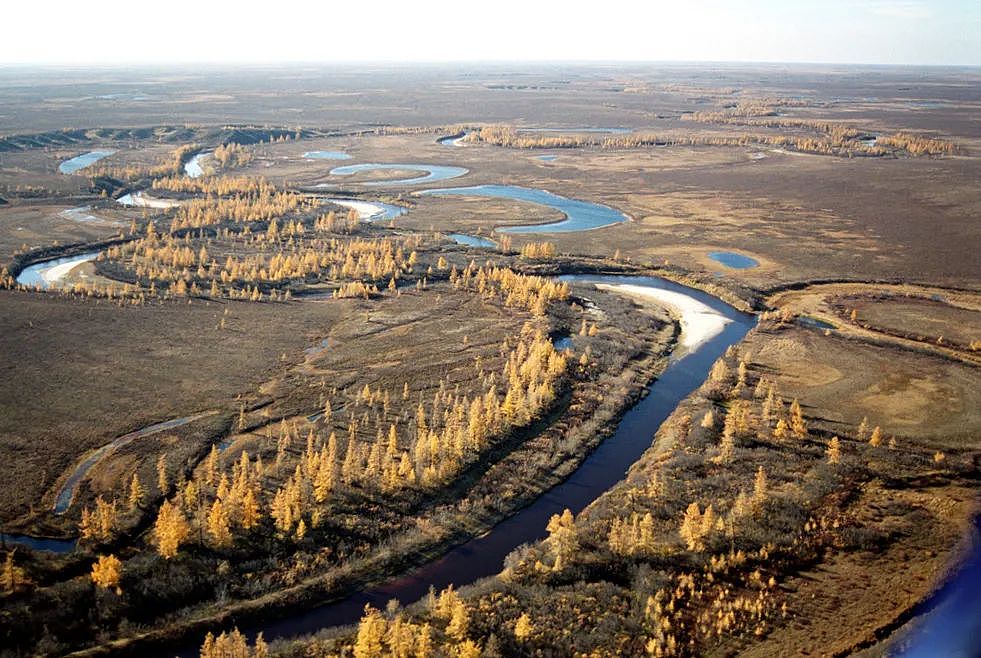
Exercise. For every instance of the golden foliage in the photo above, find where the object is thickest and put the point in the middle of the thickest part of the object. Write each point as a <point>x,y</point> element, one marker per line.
<point>106,572</point>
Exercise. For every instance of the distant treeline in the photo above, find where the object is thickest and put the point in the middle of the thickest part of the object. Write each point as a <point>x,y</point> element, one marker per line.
<point>837,139</point>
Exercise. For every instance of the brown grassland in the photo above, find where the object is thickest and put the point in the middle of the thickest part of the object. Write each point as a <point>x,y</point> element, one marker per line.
<point>381,394</point>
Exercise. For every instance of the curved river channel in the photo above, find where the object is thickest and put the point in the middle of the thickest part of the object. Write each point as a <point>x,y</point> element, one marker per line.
<point>579,215</point>
<point>432,172</point>
<point>484,556</point>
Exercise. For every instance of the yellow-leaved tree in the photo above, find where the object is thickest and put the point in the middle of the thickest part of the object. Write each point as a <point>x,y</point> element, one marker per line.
<point>170,530</point>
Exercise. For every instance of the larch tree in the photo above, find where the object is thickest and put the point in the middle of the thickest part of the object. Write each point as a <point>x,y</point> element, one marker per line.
<point>170,530</point>
<point>13,576</point>
<point>863,429</point>
<point>563,538</point>
<point>136,492</point>
<point>106,572</point>
<point>218,525</point>
<point>696,526</point>
<point>797,424</point>
<point>459,624</point>
<point>211,466</point>
<point>163,482</point>
<point>760,492</point>
<point>876,439</point>
<point>834,451</point>
<point>251,512</point>
<point>371,634</point>
<point>523,627</point>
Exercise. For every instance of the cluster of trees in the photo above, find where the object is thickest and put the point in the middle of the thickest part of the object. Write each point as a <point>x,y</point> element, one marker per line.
<point>101,523</point>
<point>834,138</point>
<point>538,250</point>
<point>232,155</point>
<point>917,144</point>
<point>530,292</point>
<point>176,263</point>
<point>215,185</point>
<point>331,223</point>
<point>446,631</point>
<point>169,167</point>
<point>508,137</point>
<point>263,206</point>
<point>652,569</point>
<point>838,136</point>
<point>377,450</point>
<point>233,644</point>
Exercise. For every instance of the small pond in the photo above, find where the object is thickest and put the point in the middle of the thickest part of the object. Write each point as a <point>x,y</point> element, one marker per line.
<point>733,260</point>
<point>472,240</point>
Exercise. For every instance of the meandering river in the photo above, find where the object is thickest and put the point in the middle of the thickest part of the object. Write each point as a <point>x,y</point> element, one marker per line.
<point>371,211</point>
<point>433,172</point>
<point>50,273</point>
<point>193,168</point>
<point>579,215</point>
<point>67,492</point>
<point>484,556</point>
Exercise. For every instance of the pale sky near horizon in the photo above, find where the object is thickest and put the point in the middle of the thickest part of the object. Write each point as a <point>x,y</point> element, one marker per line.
<point>931,32</point>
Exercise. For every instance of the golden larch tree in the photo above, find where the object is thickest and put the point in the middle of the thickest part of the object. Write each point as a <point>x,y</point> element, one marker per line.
<point>106,572</point>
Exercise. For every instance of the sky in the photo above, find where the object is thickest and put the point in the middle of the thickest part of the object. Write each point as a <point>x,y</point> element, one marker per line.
<point>919,32</point>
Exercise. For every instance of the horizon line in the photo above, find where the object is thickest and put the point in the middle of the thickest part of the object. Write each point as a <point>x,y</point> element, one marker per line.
<point>402,63</point>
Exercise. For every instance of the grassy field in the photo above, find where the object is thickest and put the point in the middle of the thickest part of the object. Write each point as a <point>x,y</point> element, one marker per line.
<point>77,374</point>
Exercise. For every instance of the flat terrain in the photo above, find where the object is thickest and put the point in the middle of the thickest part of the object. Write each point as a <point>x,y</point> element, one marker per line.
<point>78,374</point>
<point>381,394</point>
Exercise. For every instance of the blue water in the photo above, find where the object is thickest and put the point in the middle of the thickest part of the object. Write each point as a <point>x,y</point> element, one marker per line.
<point>433,172</point>
<point>952,625</point>
<point>319,348</point>
<point>451,140</point>
<point>472,240</point>
<point>192,168</point>
<point>387,210</point>
<point>734,260</point>
<point>82,161</point>
<point>547,158</point>
<point>38,543</point>
<point>580,215</point>
<point>604,467</point>
<point>33,275</point>
<point>563,343</point>
<point>326,155</point>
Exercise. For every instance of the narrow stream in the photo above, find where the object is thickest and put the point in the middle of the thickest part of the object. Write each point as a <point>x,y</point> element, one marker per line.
<point>484,556</point>
<point>67,492</point>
